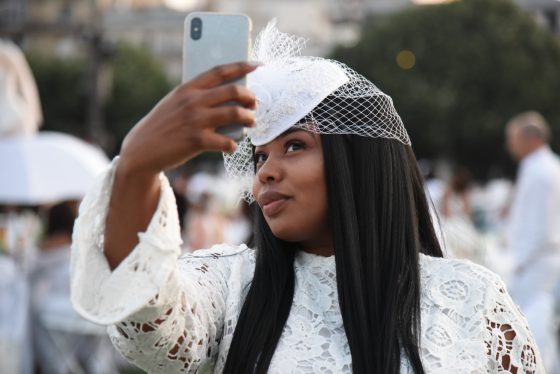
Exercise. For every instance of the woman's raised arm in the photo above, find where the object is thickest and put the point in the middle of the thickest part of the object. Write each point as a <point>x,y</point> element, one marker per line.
<point>179,127</point>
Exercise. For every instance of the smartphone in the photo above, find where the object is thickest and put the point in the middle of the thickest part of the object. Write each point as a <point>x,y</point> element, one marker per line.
<point>212,39</point>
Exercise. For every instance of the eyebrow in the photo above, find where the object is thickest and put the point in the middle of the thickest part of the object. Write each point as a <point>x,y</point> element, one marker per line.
<point>284,134</point>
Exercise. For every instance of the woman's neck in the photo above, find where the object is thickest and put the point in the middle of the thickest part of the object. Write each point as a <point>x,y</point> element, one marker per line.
<point>322,246</point>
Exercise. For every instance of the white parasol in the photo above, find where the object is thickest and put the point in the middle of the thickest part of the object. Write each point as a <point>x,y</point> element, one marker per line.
<point>47,167</point>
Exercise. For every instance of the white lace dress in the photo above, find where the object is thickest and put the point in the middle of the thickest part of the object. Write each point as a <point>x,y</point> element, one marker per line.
<point>172,316</point>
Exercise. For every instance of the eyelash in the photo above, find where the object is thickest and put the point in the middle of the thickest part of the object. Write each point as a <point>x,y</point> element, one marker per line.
<point>297,143</point>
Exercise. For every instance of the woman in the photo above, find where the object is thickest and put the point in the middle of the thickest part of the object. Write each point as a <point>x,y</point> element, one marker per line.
<point>347,274</point>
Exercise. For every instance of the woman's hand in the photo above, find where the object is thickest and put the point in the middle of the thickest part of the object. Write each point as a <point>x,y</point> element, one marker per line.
<point>180,126</point>
<point>183,124</point>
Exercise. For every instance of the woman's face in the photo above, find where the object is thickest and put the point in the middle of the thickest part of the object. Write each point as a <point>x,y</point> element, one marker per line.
<point>290,188</point>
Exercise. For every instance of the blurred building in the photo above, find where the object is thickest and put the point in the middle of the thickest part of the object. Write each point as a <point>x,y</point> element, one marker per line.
<point>325,22</point>
<point>158,29</point>
<point>546,12</point>
<point>62,26</point>
<point>12,16</point>
<point>158,25</point>
<point>52,26</point>
<point>90,27</point>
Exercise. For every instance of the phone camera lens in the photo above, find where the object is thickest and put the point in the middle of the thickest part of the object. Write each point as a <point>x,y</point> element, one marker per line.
<point>196,28</point>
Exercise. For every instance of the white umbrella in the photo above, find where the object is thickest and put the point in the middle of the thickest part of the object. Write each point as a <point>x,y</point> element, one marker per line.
<point>47,167</point>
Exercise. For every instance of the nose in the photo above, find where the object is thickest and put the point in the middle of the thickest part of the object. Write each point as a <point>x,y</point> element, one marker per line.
<point>270,170</point>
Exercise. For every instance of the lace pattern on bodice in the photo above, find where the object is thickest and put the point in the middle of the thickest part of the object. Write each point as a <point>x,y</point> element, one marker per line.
<point>172,316</point>
<point>469,322</point>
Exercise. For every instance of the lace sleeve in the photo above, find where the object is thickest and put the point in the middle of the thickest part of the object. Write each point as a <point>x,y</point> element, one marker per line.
<point>182,327</point>
<point>511,346</point>
<point>107,297</point>
<point>167,315</point>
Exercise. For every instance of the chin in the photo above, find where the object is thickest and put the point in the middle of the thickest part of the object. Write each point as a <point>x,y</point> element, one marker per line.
<point>287,233</point>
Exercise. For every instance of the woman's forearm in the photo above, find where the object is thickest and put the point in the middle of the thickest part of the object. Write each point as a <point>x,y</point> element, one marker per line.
<point>182,125</point>
<point>134,199</point>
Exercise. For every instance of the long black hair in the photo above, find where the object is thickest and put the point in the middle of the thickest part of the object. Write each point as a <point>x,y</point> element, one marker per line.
<point>380,222</point>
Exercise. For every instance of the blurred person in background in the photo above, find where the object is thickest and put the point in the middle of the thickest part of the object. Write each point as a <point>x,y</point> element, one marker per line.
<point>15,338</point>
<point>433,185</point>
<point>20,228</point>
<point>533,233</point>
<point>204,223</point>
<point>20,108</point>
<point>456,198</point>
<point>63,341</point>
<point>214,215</point>
<point>460,234</point>
<point>239,228</point>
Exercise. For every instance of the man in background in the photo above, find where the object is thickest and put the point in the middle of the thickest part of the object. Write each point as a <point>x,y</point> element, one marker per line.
<point>533,235</point>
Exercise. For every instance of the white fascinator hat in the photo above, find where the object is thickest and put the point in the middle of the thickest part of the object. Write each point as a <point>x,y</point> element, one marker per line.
<point>310,93</point>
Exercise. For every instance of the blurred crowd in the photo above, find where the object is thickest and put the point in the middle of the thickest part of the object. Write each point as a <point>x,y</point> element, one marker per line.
<point>209,209</point>
<point>39,330</point>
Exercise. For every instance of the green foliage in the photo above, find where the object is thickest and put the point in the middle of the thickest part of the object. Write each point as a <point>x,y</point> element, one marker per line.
<point>138,82</point>
<point>478,62</point>
<point>62,89</point>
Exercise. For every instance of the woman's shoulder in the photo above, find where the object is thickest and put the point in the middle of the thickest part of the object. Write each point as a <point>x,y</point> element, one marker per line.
<point>454,268</point>
<point>462,301</point>
<point>459,283</point>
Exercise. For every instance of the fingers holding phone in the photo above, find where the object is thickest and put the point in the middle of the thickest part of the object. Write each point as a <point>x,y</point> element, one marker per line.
<point>207,112</point>
<point>185,123</point>
<point>231,93</point>
<point>227,73</point>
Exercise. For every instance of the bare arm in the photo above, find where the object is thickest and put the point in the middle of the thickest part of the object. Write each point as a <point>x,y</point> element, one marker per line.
<point>133,202</point>
<point>179,127</point>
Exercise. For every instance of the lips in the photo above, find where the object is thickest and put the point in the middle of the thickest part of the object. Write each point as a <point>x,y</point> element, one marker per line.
<point>272,202</point>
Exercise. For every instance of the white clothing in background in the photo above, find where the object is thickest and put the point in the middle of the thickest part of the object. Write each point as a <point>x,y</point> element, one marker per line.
<point>15,338</point>
<point>534,242</point>
<point>20,107</point>
<point>461,239</point>
<point>171,316</point>
<point>63,341</point>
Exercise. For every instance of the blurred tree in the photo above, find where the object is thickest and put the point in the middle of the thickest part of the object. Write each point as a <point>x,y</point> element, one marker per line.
<point>62,89</point>
<point>138,82</point>
<point>458,72</point>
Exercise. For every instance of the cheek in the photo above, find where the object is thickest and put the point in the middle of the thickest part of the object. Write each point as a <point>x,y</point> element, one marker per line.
<point>313,199</point>
<point>316,212</point>
<point>307,213</point>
